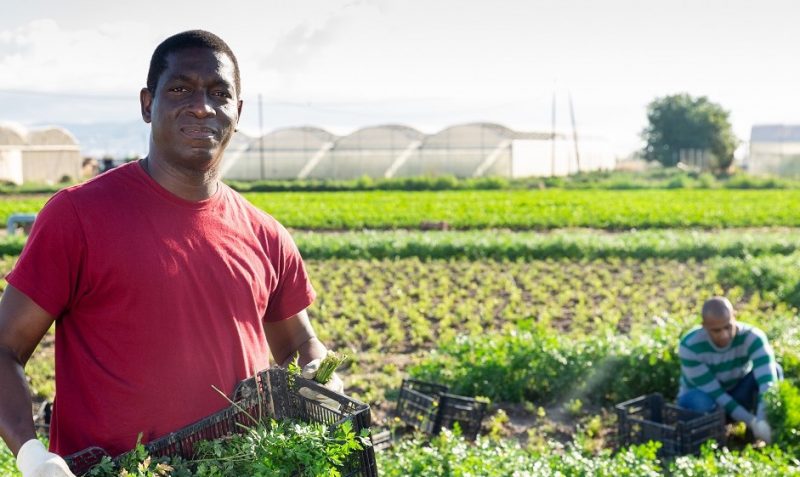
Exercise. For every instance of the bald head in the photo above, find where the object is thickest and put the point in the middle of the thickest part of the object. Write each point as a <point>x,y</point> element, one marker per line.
<point>717,307</point>
<point>719,321</point>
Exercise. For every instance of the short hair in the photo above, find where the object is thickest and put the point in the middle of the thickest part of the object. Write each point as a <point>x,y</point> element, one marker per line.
<point>717,306</point>
<point>182,41</point>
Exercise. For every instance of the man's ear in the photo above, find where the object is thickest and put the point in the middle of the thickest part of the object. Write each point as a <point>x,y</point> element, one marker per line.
<point>239,109</point>
<point>146,102</point>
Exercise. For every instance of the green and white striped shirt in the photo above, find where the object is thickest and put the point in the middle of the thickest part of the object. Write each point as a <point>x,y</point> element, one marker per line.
<point>715,371</point>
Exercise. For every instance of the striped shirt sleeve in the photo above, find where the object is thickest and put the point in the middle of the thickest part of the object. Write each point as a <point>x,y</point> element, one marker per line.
<point>698,375</point>
<point>765,369</point>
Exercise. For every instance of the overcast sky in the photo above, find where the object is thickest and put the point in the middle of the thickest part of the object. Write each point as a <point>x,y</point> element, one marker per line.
<point>345,64</point>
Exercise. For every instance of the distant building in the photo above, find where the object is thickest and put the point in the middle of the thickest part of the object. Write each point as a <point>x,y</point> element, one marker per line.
<point>46,155</point>
<point>774,149</point>
<point>385,151</point>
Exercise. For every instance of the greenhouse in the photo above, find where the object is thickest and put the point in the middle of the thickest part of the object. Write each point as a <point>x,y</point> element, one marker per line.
<point>774,149</point>
<point>386,151</point>
<point>468,150</point>
<point>373,151</point>
<point>45,155</point>
<point>283,154</point>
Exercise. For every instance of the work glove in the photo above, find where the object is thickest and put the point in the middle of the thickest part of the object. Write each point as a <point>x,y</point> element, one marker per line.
<point>309,371</point>
<point>33,460</point>
<point>761,430</point>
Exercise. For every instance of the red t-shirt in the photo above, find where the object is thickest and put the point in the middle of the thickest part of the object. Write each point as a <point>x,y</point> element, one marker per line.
<point>157,299</point>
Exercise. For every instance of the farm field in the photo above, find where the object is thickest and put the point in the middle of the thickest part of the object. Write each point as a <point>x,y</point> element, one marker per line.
<point>553,326</point>
<point>515,209</point>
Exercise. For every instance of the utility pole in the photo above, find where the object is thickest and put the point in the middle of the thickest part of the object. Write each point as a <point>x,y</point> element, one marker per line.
<point>574,133</point>
<point>553,136</point>
<point>260,136</point>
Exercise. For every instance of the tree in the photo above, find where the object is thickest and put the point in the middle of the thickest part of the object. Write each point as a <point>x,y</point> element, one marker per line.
<point>681,123</point>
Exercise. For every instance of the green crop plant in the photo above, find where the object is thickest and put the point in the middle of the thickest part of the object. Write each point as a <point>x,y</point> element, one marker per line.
<point>534,364</point>
<point>8,463</point>
<point>273,449</point>
<point>516,209</point>
<point>20,205</point>
<point>410,304</point>
<point>776,277</point>
<point>783,414</point>
<point>449,455</point>
<point>527,365</point>
<point>521,210</point>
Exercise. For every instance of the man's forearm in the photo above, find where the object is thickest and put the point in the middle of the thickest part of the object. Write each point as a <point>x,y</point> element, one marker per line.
<point>307,351</point>
<point>16,417</point>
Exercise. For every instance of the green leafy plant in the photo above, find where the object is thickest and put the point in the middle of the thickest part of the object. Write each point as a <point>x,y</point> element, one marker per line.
<point>272,449</point>
<point>783,414</point>
<point>540,366</point>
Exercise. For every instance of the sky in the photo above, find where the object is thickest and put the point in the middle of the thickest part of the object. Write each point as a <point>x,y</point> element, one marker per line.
<point>347,64</point>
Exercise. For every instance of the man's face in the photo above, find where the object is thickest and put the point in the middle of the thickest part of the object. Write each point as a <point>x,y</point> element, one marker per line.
<point>195,109</point>
<point>721,328</point>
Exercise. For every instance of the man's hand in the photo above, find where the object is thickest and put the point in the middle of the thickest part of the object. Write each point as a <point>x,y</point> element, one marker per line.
<point>33,460</point>
<point>761,430</point>
<point>309,371</point>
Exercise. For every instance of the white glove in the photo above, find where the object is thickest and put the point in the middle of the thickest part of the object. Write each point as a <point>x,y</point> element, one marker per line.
<point>761,430</point>
<point>33,460</point>
<point>335,384</point>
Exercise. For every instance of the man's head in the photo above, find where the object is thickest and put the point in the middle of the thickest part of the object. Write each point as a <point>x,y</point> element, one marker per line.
<point>192,101</point>
<point>719,321</point>
<point>186,40</point>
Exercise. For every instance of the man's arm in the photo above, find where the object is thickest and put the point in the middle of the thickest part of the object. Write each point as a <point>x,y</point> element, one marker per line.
<point>294,335</point>
<point>765,368</point>
<point>22,325</point>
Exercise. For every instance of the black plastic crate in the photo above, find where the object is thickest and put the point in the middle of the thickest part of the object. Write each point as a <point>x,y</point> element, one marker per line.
<point>428,407</point>
<point>680,431</point>
<point>272,394</point>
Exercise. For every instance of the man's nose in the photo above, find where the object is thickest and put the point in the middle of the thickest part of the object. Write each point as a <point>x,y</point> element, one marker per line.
<point>201,104</point>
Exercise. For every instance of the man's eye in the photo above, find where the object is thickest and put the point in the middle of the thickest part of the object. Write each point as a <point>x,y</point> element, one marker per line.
<point>224,94</point>
<point>178,89</point>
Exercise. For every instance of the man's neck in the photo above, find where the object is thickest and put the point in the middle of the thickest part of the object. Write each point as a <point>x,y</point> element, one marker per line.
<point>187,184</point>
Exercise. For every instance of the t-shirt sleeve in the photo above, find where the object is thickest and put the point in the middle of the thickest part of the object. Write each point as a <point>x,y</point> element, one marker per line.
<point>294,292</point>
<point>50,267</point>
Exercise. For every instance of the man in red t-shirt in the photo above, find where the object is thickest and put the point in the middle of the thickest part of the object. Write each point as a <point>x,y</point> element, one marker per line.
<point>162,281</point>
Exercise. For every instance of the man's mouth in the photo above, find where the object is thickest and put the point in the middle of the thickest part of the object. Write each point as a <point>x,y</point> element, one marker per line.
<point>199,132</point>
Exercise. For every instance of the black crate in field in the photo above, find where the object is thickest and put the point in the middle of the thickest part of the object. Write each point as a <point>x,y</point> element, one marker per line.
<point>270,395</point>
<point>428,407</point>
<point>680,431</point>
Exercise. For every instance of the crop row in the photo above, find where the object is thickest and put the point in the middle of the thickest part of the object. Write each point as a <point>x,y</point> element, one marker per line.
<point>545,209</point>
<point>672,178</point>
<point>517,209</point>
<point>564,244</point>
<point>504,244</point>
<point>450,455</point>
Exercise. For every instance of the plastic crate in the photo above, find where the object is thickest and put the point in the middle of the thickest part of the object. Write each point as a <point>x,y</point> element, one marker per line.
<point>680,431</point>
<point>272,395</point>
<point>428,407</point>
